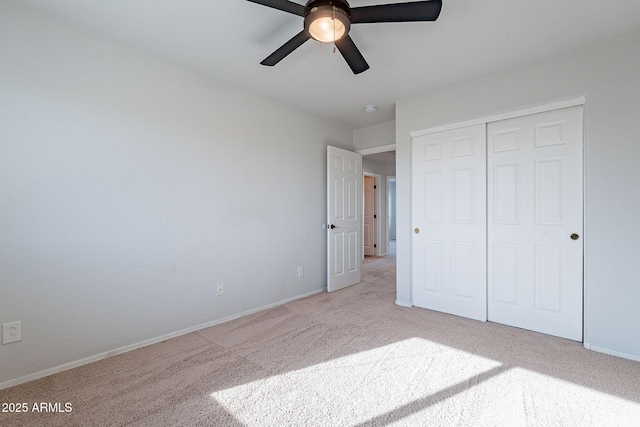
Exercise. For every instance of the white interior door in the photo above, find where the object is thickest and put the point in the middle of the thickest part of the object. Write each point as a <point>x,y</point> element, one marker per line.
<point>344,218</point>
<point>535,212</point>
<point>448,264</point>
<point>369,213</point>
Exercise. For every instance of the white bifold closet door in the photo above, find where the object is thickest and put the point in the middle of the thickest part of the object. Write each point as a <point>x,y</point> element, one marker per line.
<point>448,246</point>
<point>535,222</point>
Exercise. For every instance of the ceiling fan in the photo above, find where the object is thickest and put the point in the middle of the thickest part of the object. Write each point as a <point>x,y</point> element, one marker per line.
<point>329,21</point>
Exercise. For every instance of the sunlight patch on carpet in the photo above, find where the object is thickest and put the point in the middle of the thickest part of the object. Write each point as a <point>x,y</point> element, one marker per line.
<point>526,397</point>
<point>356,388</point>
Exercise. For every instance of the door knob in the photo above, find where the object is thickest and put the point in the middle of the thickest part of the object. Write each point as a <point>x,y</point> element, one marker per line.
<point>575,236</point>
<point>331,226</point>
<point>416,230</point>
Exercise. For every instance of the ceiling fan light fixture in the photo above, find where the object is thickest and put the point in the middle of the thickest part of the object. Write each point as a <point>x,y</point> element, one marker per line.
<point>329,21</point>
<point>327,24</point>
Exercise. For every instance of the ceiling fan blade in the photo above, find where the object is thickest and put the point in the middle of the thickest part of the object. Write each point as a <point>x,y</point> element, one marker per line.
<point>286,49</point>
<point>352,55</point>
<point>284,5</point>
<point>399,12</point>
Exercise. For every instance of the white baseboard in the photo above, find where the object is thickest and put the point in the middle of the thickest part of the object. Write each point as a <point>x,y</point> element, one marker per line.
<point>403,304</point>
<point>612,352</point>
<point>97,357</point>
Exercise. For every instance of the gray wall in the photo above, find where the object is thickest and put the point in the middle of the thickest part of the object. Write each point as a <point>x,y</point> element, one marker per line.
<point>375,136</point>
<point>609,77</point>
<point>131,187</point>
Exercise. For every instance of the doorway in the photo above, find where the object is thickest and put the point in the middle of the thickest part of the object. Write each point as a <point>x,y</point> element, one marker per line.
<point>380,167</point>
<point>391,209</point>
<point>370,217</point>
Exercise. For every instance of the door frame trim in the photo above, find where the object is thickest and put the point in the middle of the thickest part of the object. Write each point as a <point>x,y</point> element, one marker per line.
<point>376,150</point>
<point>572,102</point>
<point>377,178</point>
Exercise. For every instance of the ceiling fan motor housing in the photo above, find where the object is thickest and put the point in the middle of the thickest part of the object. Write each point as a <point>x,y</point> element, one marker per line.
<point>332,9</point>
<point>340,4</point>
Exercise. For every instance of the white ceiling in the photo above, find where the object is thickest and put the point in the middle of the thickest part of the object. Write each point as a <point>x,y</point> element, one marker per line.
<point>227,39</point>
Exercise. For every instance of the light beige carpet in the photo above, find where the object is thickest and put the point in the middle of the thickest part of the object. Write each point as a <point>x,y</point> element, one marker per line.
<point>349,358</point>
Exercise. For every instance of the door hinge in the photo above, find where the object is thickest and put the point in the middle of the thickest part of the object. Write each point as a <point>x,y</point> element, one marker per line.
<point>375,186</point>
<point>375,216</point>
<point>375,246</point>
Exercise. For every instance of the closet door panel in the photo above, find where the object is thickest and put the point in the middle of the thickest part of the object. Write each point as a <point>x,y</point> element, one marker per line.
<point>449,222</point>
<point>535,207</point>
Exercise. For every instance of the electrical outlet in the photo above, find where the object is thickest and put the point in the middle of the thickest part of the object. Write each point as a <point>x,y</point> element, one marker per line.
<point>220,288</point>
<point>300,271</point>
<point>11,332</point>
